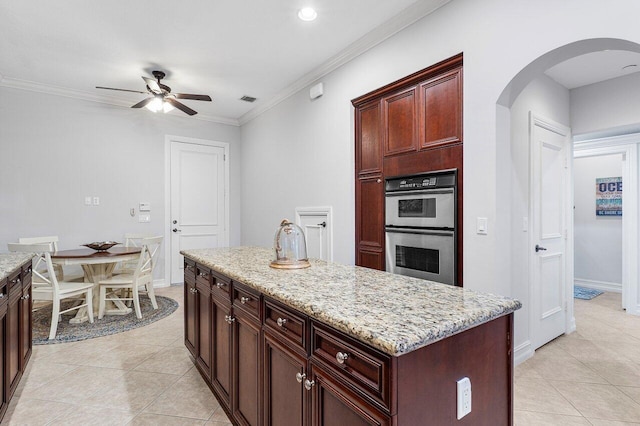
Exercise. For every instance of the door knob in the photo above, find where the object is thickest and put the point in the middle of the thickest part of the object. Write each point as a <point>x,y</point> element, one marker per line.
<point>323,224</point>
<point>540,248</point>
<point>175,222</point>
<point>177,230</point>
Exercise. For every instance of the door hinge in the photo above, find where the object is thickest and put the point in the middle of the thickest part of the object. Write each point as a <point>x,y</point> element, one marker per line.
<point>224,157</point>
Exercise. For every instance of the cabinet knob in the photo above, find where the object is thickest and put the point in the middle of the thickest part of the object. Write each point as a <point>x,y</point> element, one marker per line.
<point>341,357</point>
<point>229,319</point>
<point>202,274</point>
<point>18,281</point>
<point>220,285</point>
<point>27,297</point>
<point>300,377</point>
<point>281,322</point>
<point>193,290</point>
<point>1,295</point>
<point>244,299</point>
<point>309,384</point>
<point>379,181</point>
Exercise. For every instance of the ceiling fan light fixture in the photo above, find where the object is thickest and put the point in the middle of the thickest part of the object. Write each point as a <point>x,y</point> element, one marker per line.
<point>155,105</point>
<point>166,107</point>
<point>307,14</point>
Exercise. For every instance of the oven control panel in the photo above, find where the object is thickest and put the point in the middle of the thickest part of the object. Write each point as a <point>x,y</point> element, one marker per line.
<point>418,182</point>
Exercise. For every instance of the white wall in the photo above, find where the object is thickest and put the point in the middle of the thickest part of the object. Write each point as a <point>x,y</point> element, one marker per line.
<point>54,151</point>
<point>598,239</point>
<point>545,98</point>
<point>607,108</point>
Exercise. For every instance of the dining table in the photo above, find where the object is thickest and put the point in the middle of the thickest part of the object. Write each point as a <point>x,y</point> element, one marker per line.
<point>97,266</point>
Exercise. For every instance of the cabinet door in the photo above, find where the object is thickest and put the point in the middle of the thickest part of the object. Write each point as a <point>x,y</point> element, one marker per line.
<point>285,399</point>
<point>368,121</point>
<point>25,307</point>
<point>4,400</point>
<point>400,124</point>
<point>203,340</point>
<point>441,110</point>
<point>246,370</point>
<point>221,348</point>
<point>370,222</point>
<point>12,342</point>
<point>335,404</point>
<point>190,316</point>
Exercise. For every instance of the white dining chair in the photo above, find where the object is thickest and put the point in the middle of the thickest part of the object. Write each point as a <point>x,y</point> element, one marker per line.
<point>50,288</point>
<point>53,240</point>
<point>141,278</point>
<point>130,240</point>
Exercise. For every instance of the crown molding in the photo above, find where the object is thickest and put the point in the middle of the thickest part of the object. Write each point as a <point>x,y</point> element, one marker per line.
<point>384,31</point>
<point>33,86</point>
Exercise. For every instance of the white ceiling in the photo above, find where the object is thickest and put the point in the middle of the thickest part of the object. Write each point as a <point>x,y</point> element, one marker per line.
<point>594,67</point>
<point>225,49</point>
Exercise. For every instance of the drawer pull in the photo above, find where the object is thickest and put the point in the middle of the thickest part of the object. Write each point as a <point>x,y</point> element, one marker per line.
<point>229,319</point>
<point>300,377</point>
<point>1,295</point>
<point>189,267</point>
<point>220,285</point>
<point>27,297</point>
<point>17,281</point>
<point>193,290</point>
<point>281,322</point>
<point>202,274</point>
<point>341,357</point>
<point>309,384</point>
<point>244,299</point>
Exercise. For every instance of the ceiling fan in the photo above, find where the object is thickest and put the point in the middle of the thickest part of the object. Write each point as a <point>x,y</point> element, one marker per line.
<point>161,96</point>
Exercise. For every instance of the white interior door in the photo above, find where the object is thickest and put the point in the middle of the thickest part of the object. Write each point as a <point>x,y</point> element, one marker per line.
<point>198,212</point>
<point>549,183</point>
<point>317,225</point>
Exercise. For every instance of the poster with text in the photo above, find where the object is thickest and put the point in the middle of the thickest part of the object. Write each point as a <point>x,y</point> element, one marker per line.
<point>609,196</point>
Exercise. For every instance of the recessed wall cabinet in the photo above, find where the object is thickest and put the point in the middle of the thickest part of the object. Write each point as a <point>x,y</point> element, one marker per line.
<point>413,125</point>
<point>15,331</point>
<point>269,364</point>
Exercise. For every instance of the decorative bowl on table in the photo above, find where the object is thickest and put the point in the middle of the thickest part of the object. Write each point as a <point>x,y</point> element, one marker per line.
<point>101,245</point>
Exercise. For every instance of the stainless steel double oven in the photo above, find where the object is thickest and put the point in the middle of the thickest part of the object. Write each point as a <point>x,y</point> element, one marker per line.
<point>420,226</point>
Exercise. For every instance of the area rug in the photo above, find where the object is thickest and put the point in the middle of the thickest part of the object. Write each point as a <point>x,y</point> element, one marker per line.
<point>585,293</point>
<point>109,324</point>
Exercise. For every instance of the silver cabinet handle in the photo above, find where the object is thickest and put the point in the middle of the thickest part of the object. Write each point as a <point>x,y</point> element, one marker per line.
<point>244,300</point>
<point>309,384</point>
<point>300,377</point>
<point>229,319</point>
<point>281,322</point>
<point>378,180</point>
<point>341,357</point>
<point>220,285</point>
<point>202,274</point>
<point>27,297</point>
<point>18,281</point>
<point>193,290</point>
<point>1,295</point>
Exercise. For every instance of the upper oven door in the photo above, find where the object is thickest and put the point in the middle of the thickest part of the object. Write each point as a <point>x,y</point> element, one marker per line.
<point>425,208</point>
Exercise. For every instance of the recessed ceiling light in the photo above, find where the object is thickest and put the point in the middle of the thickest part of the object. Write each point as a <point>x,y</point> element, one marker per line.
<point>307,14</point>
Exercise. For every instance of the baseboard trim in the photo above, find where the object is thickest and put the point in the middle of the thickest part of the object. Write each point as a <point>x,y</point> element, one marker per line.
<point>522,352</point>
<point>599,285</point>
<point>160,282</point>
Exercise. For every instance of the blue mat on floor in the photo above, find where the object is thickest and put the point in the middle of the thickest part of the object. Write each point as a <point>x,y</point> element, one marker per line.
<point>585,293</point>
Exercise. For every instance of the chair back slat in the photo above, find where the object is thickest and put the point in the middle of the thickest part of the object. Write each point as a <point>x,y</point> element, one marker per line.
<point>53,239</point>
<point>42,269</point>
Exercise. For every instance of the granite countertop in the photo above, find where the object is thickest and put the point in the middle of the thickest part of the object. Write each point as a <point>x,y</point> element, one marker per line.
<point>9,262</point>
<point>393,313</point>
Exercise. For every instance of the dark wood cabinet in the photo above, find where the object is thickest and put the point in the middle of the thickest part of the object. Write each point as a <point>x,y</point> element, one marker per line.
<point>190,307</point>
<point>203,318</point>
<point>406,127</point>
<point>25,307</point>
<point>3,356</point>
<point>221,345</point>
<point>247,346</point>
<point>400,127</point>
<point>12,342</point>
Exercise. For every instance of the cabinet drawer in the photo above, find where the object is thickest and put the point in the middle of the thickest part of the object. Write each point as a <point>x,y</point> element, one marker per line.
<point>15,279</point>
<point>26,273</point>
<point>364,367</point>
<point>189,271</point>
<point>286,322</point>
<point>246,300</point>
<point>221,287</point>
<point>203,276</point>
<point>4,292</point>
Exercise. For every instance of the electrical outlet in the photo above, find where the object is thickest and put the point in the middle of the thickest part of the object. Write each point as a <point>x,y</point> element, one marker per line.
<point>144,217</point>
<point>464,397</point>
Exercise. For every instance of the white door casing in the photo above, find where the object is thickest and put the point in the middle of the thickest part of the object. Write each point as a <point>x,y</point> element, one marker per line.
<point>551,267</point>
<point>627,145</point>
<point>317,224</point>
<point>198,207</point>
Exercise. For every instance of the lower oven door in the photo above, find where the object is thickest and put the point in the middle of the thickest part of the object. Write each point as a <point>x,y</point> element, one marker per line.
<point>426,254</point>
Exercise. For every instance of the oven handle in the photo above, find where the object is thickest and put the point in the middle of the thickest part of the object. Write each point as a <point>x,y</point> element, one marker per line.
<point>418,231</point>
<point>419,191</point>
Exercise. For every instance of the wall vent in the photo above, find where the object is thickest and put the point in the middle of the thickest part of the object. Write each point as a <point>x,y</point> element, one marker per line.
<point>248,98</point>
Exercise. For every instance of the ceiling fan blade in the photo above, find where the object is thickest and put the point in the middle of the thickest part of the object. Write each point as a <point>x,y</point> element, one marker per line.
<point>182,107</point>
<point>153,85</point>
<point>143,102</point>
<point>193,97</point>
<point>120,90</point>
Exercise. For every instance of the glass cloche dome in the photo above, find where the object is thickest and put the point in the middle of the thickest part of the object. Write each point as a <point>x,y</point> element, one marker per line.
<point>290,247</point>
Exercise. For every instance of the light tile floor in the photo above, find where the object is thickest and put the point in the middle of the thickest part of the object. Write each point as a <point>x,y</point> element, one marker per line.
<point>141,377</point>
<point>590,377</point>
<point>146,377</point>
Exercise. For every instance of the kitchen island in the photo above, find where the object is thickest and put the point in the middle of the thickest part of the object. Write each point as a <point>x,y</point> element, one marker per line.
<point>15,322</point>
<point>336,343</point>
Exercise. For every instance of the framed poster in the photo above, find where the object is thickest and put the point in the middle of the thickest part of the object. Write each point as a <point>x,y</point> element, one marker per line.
<point>609,196</point>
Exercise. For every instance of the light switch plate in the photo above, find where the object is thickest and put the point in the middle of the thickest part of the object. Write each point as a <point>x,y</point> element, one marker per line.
<point>464,397</point>
<point>96,201</point>
<point>144,217</point>
<point>87,201</point>
<point>144,207</point>
<point>481,226</point>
